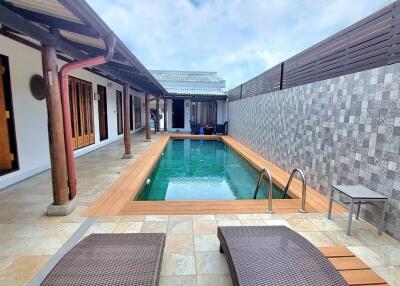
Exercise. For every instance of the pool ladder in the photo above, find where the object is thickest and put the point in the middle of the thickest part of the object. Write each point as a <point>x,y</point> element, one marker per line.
<point>267,173</point>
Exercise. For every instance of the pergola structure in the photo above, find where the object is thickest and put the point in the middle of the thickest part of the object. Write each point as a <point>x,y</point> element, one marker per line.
<point>70,30</point>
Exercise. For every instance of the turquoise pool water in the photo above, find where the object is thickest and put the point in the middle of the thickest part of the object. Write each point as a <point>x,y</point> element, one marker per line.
<point>202,170</point>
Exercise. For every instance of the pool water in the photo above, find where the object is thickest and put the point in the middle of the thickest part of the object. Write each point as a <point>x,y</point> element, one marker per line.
<point>202,170</point>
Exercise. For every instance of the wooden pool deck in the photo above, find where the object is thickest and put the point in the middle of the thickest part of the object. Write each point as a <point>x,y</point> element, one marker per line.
<point>353,269</point>
<point>118,199</point>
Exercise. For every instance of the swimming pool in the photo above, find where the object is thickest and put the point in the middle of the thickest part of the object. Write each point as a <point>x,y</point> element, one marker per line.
<point>202,170</point>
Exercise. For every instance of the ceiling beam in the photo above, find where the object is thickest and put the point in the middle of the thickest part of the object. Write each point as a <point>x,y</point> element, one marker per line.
<point>25,27</point>
<point>55,22</point>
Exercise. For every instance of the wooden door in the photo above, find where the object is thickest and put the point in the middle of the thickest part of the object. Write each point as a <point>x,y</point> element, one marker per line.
<point>8,160</point>
<point>102,104</point>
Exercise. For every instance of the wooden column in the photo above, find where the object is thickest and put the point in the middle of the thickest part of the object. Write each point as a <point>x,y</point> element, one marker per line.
<point>127,123</point>
<point>58,158</point>
<point>147,107</point>
<point>165,115</point>
<point>157,114</point>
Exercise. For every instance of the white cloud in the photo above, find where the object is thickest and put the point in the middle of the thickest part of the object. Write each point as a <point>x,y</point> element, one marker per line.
<point>237,38</point>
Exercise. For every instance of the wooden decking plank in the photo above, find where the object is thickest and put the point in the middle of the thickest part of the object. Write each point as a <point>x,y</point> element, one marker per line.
<point>362,277</point>
<point>331,252</point>
<point>348,263</point>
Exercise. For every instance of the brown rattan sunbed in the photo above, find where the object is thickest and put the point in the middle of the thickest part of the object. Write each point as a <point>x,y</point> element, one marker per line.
<point>274,255</point>
<point>111,259</point>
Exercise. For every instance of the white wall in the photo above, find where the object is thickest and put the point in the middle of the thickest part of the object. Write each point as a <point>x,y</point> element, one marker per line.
<point>30,115</point>
<point>221,111</point>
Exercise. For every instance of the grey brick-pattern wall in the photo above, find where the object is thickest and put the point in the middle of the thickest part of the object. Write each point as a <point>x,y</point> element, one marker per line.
<point>342,130</point>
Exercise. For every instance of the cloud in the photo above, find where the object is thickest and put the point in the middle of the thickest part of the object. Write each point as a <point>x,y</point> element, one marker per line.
<point>237,38</point>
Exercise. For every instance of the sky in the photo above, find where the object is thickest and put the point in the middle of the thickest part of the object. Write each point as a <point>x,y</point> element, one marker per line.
<point>239,39</point>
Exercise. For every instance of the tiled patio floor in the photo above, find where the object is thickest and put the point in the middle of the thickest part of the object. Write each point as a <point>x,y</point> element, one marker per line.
<point>28,238</point>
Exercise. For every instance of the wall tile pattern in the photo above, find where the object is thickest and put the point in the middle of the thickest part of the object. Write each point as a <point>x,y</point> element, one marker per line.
<point>343,130</point>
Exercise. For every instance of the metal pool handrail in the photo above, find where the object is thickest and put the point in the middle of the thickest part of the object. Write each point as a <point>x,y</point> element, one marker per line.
<point>267,173</point>
<point>303,189</point>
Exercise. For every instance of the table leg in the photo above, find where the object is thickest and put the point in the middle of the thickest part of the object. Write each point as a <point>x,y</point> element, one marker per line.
<point>351,209</point>
<point>358,210</point>
<point>382,217</point>
<point>330,203</point>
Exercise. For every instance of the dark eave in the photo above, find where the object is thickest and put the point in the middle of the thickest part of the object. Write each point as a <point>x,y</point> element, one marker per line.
<point>44,28</point>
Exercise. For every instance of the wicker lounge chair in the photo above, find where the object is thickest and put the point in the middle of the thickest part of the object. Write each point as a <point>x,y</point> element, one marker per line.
<point>111,259</point>
<point>274,255</point>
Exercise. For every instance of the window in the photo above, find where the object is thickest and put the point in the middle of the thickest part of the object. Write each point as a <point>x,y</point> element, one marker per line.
<point>204,113</point>
<point>120,122</point>
<point>81,111</point>
<point>8,143</point>
<point>138,112</point>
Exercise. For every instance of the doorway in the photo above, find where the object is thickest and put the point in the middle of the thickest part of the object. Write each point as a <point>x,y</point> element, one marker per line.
<point>102,104</point>
<point>178,113</point>
<point>8,144</point>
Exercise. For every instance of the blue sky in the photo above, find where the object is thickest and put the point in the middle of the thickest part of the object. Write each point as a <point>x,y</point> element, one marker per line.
<point>237,38</point>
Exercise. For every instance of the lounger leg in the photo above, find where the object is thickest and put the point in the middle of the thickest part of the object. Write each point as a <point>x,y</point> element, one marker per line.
<point>220,249</point>
<point>382,217</point>
<point>351,209</point>
<point>330,203</point>
<point>358,210</point>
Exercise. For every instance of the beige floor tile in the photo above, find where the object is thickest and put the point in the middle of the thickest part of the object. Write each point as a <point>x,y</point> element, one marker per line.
<point>367,255</point>
<point>325,224</point>
<point>180,227</point>
<point>178,281</point>
<point>229,223</point>
<point>176,264</point>
<point>204,227</point>
<point>206,242</point>
<point>180,218</point>
<point>249,216</point>
<point>129,218</point>
<point>226,217</point>
<point>203,217</point>
<point>128,227</point>
<point>319,239</point>
<point>23,268</point>
<point>277,222</point>
<point>208,280</point>
<point>252,222</point>
<point>179,243</point>
<point>340,237</point>
<point>156,218</point>
<point>108,219</point>
<point>102,227</point>
<point>302,224</point>
<point>211,263</point>
<point>155,226</point>
<point>390,273</point>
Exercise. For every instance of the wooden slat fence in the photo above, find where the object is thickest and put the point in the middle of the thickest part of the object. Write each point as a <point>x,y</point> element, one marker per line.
<point>371,42</point>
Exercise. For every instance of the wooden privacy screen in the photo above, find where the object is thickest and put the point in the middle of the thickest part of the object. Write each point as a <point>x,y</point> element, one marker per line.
<point>371,42</point>
<point>81,109</point>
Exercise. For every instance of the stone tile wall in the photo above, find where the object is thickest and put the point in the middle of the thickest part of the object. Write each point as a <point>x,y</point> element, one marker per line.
<point>344,130</point>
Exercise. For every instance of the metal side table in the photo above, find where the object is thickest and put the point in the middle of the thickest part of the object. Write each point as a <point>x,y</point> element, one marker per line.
<point>359,194</point>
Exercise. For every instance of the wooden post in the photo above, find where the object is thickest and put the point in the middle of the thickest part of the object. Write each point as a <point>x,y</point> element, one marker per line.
<point>127,122</point>
<point>157,114</point>
<point>147,107</point>
<point>55,126</point>
<point>165,115</point>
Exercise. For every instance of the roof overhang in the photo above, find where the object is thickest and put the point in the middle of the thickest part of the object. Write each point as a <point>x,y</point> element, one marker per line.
<point>78,33</point>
